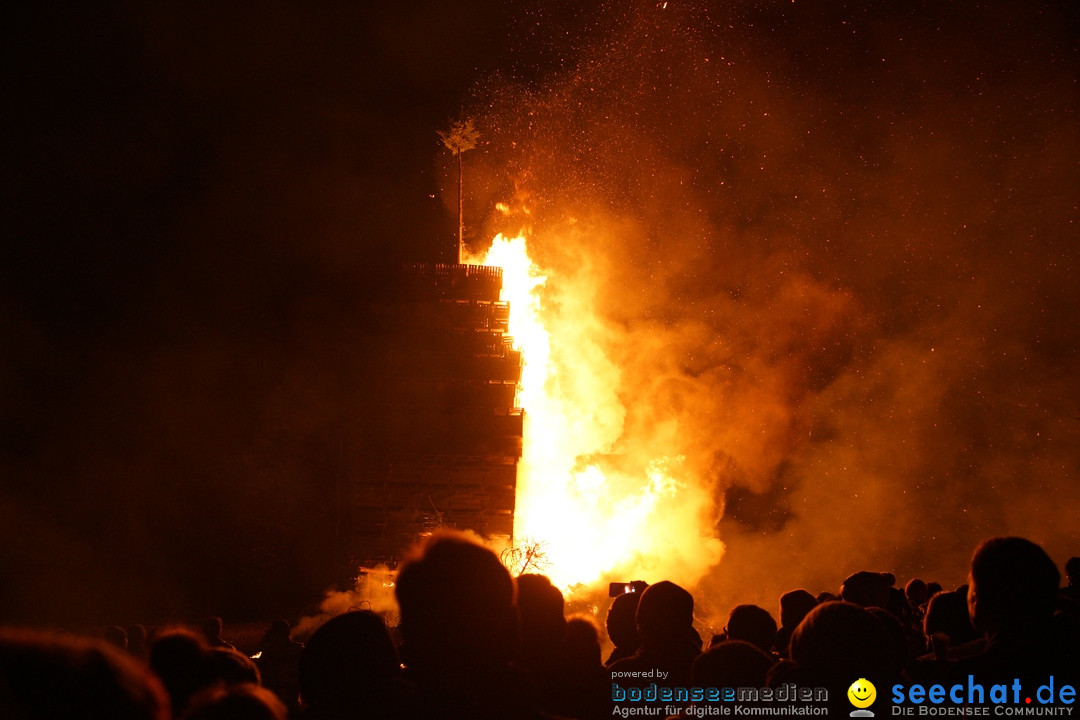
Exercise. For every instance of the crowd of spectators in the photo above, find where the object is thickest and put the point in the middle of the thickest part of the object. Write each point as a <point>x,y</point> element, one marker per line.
<point>474,642</point>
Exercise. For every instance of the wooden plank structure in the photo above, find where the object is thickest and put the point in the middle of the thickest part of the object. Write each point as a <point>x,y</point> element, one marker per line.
<point>449,435</point>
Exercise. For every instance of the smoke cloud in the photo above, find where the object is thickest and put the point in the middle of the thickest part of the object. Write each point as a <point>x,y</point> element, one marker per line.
<point>373,590</point>
<point>832,250</point>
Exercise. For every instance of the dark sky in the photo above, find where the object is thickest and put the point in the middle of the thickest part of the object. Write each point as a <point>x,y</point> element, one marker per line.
<point>196,199</point>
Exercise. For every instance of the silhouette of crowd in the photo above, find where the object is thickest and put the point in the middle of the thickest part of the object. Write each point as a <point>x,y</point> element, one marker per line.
<point>473,642</point>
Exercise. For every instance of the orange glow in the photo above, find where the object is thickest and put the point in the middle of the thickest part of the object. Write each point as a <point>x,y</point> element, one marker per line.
<point>599,520</point>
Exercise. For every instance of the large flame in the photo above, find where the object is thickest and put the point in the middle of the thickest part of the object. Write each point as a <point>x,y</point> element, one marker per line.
<point>594,516</point>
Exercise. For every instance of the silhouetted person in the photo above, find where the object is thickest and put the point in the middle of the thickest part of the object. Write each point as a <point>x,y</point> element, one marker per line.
<point>908,622</point>
<point>1072,576</point>
<point>665,622</point>
<point>460,631</point>
<point>583,643</point>
<point>622,626</point>
<point>236,702</point>
<point>835,642</point>
<point>279,663</point>
<point>836,638</point>
<point>732,663</point>
<point>752,624</point>
<point>46,677</point>
<point>1012,591</point>
<point>794,606</point>
<point>116,636</point>
<point>949,636</point>
<point>182,660</point>
<point>588,693</point>
<point>947,624</point>
<point>868,589</point>
<point>350,669</point>
<point>233,667</point>
<point>136,635</point>
<point>543,639</point>
<point>211,628</point>
<point>898,646</point>
<point>917,597</point>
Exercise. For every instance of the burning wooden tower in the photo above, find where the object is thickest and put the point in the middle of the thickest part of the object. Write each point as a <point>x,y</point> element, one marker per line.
<point>448,439</point>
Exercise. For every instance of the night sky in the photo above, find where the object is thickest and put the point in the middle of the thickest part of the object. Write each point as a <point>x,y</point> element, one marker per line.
<point>853,229</point>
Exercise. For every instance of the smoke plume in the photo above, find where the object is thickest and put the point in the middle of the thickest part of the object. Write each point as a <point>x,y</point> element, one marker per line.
<point>832,261</point>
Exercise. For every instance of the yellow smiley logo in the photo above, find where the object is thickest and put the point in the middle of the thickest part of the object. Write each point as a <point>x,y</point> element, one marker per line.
<point>862,693</point>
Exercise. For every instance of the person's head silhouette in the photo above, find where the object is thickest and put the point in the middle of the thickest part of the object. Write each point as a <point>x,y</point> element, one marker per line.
<point>1013,584</point>
<point>457,607</point>
<point>665,613</point>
